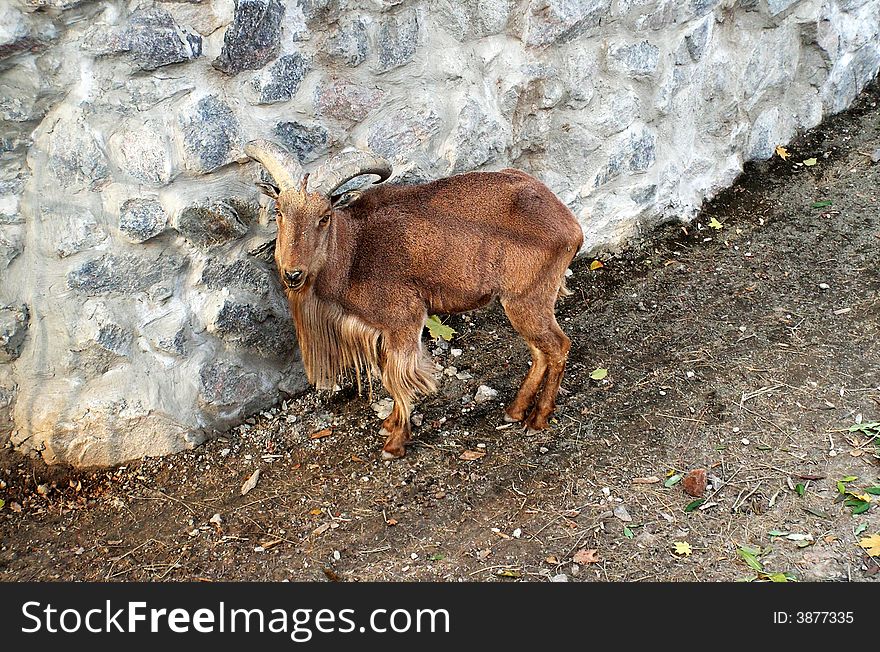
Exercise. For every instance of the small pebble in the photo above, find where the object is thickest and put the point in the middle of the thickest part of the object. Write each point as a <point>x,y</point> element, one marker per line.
<point>336,555</point>
<point>485,393</point>
<point>824,286</point>
<point>745,441</point>
<point>562,577</point>
<point>517,533</point>
<point>621,513</point>
<point>456,352</point>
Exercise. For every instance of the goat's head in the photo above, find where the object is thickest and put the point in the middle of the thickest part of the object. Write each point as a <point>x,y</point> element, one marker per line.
<point>305,205</point>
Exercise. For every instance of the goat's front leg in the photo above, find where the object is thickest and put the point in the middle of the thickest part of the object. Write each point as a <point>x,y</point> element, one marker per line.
<point>405,373</point>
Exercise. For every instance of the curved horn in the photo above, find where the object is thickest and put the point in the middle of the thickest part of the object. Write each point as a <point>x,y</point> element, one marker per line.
<point>281,164</point>
<point>346,166</point>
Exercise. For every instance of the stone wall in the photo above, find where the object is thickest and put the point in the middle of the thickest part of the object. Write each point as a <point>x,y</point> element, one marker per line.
<point>132,319</point>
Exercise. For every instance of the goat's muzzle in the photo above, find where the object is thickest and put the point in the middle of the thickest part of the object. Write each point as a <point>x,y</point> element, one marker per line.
<point>294,279</point>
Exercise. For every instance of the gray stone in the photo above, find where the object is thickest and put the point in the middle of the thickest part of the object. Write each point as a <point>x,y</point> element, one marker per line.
<point>214,222</point>
<point>615,112</point>
<point>142,219</point>
<point>143,152</point>
<point>70,229</point>
<point>547,21</point>
<point>638,60</point>
<point>74,155</point>
<point>348,43</point>
<point>477,138</point>
<point>123,273</point>
<point>211,134</point>
<point>346,101</point>
<point>253,38</point>
<point>700,8</point>
<point>778,6</point>
<point>308,142</point>
<point>237,274</point>
<point>11,244</point>
<point>14,321</point>
<point>765,135</point>
<point>471,19</point>
<point>400,134</point>
<point>280,81</point>
<point>397,40</point>
<point>698,38</point>
<point>255,328</point>
<point>226,384</point>
<point>635,153</point>
<point>848,77</point>
<point>8,390</point>
<point>154,39</point>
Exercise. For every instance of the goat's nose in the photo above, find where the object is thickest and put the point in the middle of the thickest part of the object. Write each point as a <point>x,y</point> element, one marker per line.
<point>293,278</point>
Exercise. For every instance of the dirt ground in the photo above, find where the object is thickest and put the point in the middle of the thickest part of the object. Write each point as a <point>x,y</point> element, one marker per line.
<point>748,349</point>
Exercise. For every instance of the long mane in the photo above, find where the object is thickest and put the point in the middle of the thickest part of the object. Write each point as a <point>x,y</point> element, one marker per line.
<point>333,343</point>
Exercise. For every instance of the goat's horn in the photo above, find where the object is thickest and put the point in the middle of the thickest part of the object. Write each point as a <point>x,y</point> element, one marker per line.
<point>281,164</point>
<point>346,166</point>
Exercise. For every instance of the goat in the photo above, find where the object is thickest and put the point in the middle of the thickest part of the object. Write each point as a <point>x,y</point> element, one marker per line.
<point>361,275</point>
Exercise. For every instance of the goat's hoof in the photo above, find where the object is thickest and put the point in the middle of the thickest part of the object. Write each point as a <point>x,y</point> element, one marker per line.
<point>394,448</point>
<point>509,419</point>
<point>386,455</point>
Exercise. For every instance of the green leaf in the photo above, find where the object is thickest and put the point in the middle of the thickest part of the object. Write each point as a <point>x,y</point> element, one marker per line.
<point>850,478</point>
<point>800,489</point>
<point>861,509</point>
<point>777,577</point>
<point>2,502</point>
<point>599,374</point>
<point>777,533</point>
<point>822,204</point>
<point>751,559</point>
<point>437,329</point>
<point>715,224</point>
<point>874,491</point>
<point>673,480</point>
<point>810,162</point>
<point>437,556</point>
<point>841,488</point>
<point>858,529</point>
<point>691,506</point>
<point>629,533</point>
<point>817,512</point>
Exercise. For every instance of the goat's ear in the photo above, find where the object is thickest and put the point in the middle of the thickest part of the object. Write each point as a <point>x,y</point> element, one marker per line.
<point>343,200</point>
<point>268,189</point>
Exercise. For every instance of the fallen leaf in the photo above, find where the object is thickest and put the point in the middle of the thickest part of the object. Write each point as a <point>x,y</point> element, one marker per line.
<point>599,374</point>
<point>508,573</point>
<point>673,480</point>
<point>782,152</point>
<point>552,560</point>
<point>251,482</point>
<point>596,264</point>
<point>326,432</point>
<point>751,558</point>
<point>810,162</point>
<point>271,543</point>
<point>438,329</point>
<point>691,506</point>
<point>871,544</point>
<point>694,483</point>
<point>651,479</point>
<point>316,512</point>
<point>586,556</point>
<point>318,531</point>
<point>470,456</point>
<point>682,548</point>
<point>821,204</point>
<point>391,521</point>
<point>715,224</point>
<point>627,532</point>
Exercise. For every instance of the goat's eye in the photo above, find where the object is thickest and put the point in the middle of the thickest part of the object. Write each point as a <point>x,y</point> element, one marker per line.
<point>324,219</point>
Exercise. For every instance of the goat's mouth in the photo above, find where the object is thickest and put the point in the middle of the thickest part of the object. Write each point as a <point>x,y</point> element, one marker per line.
<point>295,280</point>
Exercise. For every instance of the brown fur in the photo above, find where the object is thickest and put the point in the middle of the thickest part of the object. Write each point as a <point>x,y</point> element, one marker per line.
<point>376,268</point>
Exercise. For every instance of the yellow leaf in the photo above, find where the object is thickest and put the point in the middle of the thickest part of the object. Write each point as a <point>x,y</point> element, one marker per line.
<point>782,152</point>
<point>810,162</point>
<point>596,264</point>
<point>872,545</point>
<point>682,548</point>
<point>316,512</point>
<point>715,224</point>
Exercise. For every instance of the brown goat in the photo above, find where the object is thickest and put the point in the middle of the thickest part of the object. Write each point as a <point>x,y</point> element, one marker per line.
<point>362,277</point>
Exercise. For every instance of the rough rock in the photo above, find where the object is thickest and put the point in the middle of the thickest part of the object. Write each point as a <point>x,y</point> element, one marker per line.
<point>211,134</point>
<point>547,21</point>
<point>307,141</point>
<point>279,81</point>
<point>398,40</point>
<point>154,39</point>
<point>254,37</point>
<point>637,60</point>
<point>142,219</point>
<point>347,101</point>
<point>348,43</point>
<point>122,273</point>
<point>214,222</point>
<point>14,322</point>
